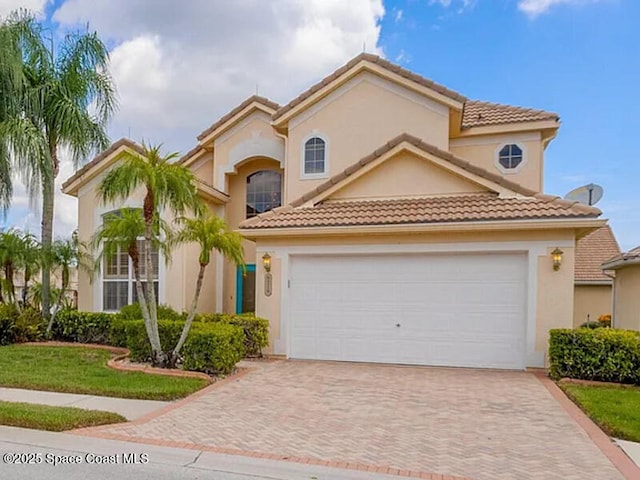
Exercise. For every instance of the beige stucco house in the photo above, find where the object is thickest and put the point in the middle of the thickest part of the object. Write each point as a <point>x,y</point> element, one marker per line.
<point>593,286</point>
<point>626,289</point>
<point>387,219</point>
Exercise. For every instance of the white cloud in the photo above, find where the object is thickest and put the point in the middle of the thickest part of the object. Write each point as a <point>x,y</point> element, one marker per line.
<point>397,15</point>
<point>533,8</point>
<point>179,67</point>
<point>460,5</point>
<point>36,6</point>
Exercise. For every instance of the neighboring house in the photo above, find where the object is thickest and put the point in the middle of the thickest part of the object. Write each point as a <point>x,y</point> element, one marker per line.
<point>626,289</point>
<point>387,219</point>
<point>593,286</point>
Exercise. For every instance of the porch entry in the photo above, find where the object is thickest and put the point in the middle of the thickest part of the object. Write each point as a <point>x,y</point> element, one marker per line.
<point>246,289</point>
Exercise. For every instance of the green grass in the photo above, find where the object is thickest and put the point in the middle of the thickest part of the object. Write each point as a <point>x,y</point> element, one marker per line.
<point>54,419</point>
<point>84,370</point>
<point>614,408</point>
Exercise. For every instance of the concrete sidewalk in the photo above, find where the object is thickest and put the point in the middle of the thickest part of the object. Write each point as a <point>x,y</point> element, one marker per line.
<point>632,449</point>
<point>164,463</point>
<point>129,408</point>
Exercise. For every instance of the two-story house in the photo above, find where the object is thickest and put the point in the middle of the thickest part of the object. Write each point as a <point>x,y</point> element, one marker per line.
<point>386,217</point>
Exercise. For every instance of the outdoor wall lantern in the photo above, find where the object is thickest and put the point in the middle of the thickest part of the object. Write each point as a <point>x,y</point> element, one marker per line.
<point>266,262</point>
<point>557,258</point>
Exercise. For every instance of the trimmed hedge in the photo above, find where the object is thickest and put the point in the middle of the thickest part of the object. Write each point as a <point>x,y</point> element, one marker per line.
<point>82,327</point>
<point>256,329</point>
<point>604,354</point>
<point>165,312</point>
<point>211,348</point>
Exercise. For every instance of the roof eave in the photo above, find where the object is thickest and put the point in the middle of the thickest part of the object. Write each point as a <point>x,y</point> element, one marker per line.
<point>208,136</point>
<point>587,283</point>
<point>509,128</point>
<point>386,229</point>
<point>620,263</point>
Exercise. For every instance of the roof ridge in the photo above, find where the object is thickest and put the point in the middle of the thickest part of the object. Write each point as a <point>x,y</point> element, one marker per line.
<point>233,112</point>
<point>508,105</point>
<point>371,58</point>
<point>417,142</point>
<point>121,142</point>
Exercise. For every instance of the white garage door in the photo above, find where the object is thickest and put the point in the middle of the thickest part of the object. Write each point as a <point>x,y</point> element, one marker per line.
<point>464,310</point>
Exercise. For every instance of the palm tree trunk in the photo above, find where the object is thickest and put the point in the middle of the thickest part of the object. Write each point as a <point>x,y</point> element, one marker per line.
<point>160,358</point>
<point>58,305</point>
<point>152,334</point>
<point>192,314</point>
<point>46,237</point>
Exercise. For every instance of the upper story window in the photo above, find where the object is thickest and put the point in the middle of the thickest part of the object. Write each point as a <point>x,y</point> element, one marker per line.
<point>315,157</point>
<point>264,192</point>
<point>510,156</point>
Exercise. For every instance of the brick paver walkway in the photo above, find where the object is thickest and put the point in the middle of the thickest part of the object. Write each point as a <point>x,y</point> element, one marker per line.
<point>477,424</point>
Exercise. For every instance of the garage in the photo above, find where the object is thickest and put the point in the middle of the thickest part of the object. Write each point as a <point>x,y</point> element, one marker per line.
<point>461,310</point>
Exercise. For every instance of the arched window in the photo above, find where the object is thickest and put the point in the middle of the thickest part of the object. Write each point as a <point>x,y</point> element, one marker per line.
<point>315,155</point>
<point>264,192</point>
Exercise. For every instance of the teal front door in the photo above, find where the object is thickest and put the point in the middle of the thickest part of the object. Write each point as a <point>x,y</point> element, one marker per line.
<point>246,289</point>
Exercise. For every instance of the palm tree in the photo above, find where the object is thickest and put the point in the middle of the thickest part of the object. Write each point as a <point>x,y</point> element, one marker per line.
<point>167,187</point>
<point>30,261</point>
<point>61,97</point>
<point>66,255</point>
<point>120,231</point>
<point>210,233</point>
<point>11,247</point>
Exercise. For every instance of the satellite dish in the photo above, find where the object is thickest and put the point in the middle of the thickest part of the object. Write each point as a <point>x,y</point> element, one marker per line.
<point>588,194</point>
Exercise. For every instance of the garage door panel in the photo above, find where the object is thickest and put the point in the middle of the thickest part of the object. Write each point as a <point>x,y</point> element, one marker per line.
<point>453,310</point>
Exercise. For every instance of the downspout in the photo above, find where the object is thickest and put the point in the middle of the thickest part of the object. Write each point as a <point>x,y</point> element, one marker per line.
<point>613,298</point>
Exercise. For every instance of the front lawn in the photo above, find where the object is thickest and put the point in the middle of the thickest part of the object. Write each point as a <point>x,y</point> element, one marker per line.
<point>84,370</point>
<point>614,408</point>
<point>54,419</point>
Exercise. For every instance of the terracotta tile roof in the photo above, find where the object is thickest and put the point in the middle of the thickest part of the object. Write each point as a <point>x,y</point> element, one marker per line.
<point>228,116</point>
<point>96,160</point>
<point>189,154</point>
<point>380,62</point>
<point>591,251</point>
<point>621,259</point>
<point>478,114</point>
<point>424,210</point>
<point>415,141</point>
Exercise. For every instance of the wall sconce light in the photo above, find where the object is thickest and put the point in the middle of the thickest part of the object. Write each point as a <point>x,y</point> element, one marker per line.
<point>266,262</point>
<point>557,258</point>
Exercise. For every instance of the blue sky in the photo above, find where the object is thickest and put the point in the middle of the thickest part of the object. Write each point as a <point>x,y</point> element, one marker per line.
<point>576,57</point>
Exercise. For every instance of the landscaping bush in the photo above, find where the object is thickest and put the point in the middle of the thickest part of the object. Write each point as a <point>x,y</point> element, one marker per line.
<point>29,326</point>
<point>134,312</point>
<point>256,329</point>
<point>8,317</point>
<point>603,354</point>
<point>211,348</point>
<point>82,327</point>
<point>214,348</point>
<point>118,332</point>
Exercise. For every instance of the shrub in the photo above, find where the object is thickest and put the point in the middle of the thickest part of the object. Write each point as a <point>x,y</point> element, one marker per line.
<point>603,354</point>
<point>82,327</point>
<point>592,325</point>
<point>29,326</point>
<point>256,329</point>
<point>214,348</point>
<point>211,348</point>
<point>134,312</point>
<point>8,317</point>
<point>117,335</point>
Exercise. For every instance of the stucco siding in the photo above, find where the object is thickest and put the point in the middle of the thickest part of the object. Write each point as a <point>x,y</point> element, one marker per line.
<point>552,291</point>
<point>591,301</point>
<point>627,298</point>
<point>356,119</point>
<point>406,175</point>
<point>482,151</point>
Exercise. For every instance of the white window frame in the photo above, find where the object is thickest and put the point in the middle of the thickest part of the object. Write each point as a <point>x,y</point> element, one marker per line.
<point>312,176</point>
<point>510,171</point>
<point>130,280</point>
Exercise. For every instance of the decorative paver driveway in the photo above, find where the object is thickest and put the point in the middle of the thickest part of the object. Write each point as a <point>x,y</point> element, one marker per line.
<point>468,423</point>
